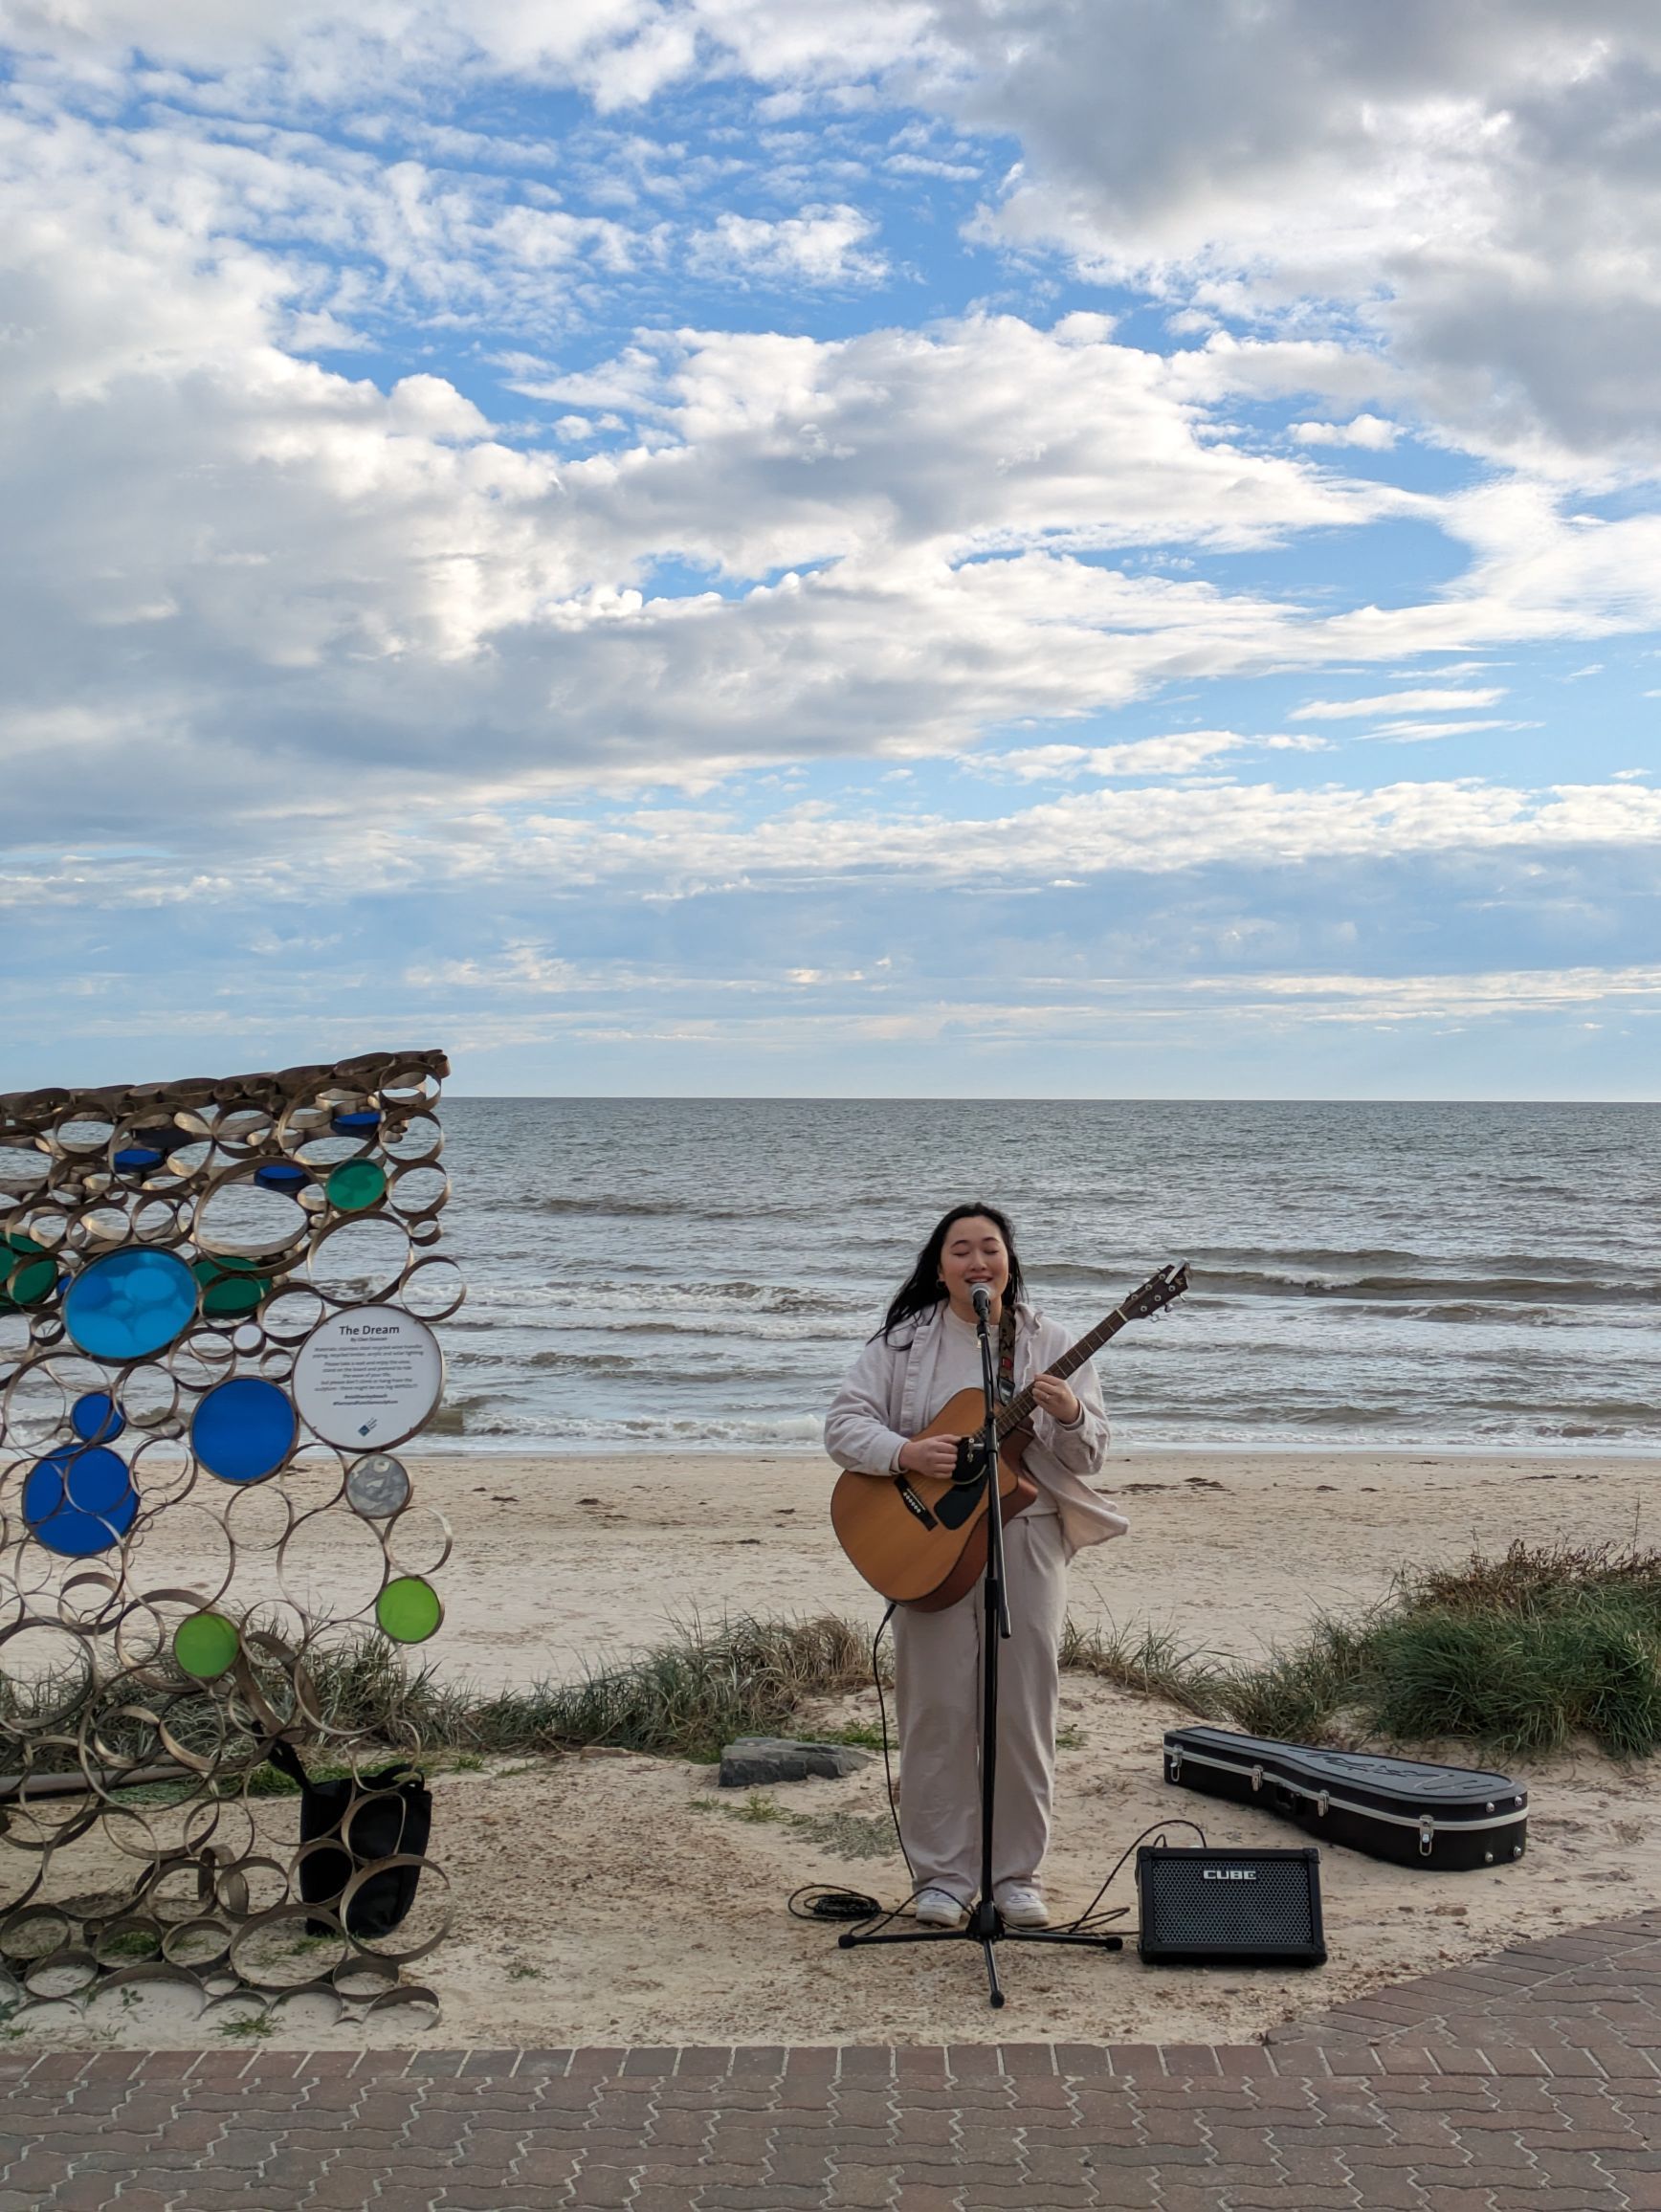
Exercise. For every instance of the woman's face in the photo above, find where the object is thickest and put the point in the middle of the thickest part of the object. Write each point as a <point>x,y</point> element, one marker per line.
<point>974,1252</point>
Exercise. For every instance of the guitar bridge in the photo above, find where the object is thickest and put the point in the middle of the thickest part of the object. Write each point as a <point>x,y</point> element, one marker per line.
<point>914,1504</point>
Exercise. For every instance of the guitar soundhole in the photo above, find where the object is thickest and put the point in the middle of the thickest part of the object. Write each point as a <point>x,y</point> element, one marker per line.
<point>957,1504</point>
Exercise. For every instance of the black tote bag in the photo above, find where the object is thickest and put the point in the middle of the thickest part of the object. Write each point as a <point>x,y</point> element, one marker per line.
<point>393,1817</point>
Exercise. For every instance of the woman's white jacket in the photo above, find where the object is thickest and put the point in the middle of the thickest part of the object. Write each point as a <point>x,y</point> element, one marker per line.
<point>885,1394</point>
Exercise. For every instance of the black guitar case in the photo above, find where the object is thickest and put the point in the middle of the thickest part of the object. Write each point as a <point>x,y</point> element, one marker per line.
<point>1445,1819</point>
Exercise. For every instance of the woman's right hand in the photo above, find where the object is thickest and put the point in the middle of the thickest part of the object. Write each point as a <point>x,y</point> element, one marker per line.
<point>936,1456</point>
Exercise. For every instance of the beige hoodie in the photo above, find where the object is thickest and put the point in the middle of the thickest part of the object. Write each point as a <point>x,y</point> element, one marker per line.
<point>883,1396</point>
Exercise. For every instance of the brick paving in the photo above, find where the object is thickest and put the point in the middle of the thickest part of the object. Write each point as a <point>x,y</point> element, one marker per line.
<point>1530,2082</point>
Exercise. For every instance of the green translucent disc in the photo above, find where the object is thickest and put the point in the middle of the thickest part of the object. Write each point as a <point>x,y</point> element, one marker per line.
<point>409,1610</point>
<point>230,1285</point>
<point>355,1184</point>
<point>28,1271</point>
<point>206,1645</point>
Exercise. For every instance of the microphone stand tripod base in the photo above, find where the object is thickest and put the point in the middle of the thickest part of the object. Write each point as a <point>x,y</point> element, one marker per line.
<point>986,1927</point>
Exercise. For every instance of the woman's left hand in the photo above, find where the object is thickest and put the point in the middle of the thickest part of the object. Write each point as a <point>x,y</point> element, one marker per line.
<point>1057,1401</point>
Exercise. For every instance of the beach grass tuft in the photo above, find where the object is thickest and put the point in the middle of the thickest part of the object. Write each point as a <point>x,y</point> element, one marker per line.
<point>1151,1661</point>
<point>686,1697</point>
<point>1517,1655</point>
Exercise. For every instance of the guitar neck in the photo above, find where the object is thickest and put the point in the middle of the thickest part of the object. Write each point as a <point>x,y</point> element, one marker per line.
<point>1015,1414</point>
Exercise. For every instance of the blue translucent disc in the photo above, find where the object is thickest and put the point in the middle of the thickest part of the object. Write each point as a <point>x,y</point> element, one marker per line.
<point>244,1430</point>
<point>137,1157</point>
<point>80,1502</point>
<point>356,1124</point>
<point>130,1305</point>
<point>96,1418</point>
<point>281,1175</point>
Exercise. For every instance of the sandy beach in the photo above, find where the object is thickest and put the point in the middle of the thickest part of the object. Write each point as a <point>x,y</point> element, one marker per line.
<point>556,1558</point>
<point>627,1899</point>
<point>670,1922</point>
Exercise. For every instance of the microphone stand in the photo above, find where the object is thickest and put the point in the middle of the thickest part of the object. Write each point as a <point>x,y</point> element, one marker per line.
<point>985,1924</point>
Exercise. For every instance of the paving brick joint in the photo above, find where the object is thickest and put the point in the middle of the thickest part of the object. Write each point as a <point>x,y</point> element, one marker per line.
<point>1530,2082</point>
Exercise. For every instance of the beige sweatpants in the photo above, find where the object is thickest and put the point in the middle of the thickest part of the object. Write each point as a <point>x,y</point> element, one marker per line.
<point>937,1659</point>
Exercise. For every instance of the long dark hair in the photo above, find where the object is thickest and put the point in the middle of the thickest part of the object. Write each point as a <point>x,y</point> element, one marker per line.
<point>921,1288</point>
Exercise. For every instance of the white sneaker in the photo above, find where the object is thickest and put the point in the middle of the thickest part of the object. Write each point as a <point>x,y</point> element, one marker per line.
<point>938,1907</point>
<point>1023,1906</point>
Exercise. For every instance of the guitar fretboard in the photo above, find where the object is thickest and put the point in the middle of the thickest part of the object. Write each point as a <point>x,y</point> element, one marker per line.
<point>1020,1406</point>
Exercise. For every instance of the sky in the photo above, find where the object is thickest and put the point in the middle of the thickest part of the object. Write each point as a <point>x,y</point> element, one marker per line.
<point>952,548</point>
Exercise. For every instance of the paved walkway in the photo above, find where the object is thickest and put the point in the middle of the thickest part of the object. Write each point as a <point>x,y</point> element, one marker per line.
<point>1526,2082</point>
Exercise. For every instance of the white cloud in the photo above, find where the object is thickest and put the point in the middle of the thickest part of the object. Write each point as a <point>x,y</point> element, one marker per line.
<point>1477,185</point>
<point>682,851</point>
<point>819,246</point>
<point>241,566</point>
<point>1407,701</point>
<point>1369,430</point>
<point>1412,732</point>
<point>1171,756</point>
<point>1441,998</point>
<point>1455,211</point>
<point>1155,830</point>
<point>620,53</point>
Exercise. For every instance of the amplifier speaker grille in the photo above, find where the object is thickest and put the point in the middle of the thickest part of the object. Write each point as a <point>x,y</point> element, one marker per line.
<point>1229,1908</point>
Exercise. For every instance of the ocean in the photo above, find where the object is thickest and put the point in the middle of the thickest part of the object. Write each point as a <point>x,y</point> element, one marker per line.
<point>651,1275</point>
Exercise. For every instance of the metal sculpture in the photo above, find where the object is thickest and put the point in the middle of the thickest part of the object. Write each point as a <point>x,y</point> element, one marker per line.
<point>217,1309</point>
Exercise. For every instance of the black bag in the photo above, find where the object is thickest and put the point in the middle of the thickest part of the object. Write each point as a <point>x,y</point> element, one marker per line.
<point>392,1816</point>
<point>1445,1819</point>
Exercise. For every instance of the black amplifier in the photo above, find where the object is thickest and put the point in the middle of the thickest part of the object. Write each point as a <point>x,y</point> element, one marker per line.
<point>1204,1906</point>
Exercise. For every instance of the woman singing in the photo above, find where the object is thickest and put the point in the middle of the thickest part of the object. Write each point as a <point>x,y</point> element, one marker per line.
<point>925,1352</point>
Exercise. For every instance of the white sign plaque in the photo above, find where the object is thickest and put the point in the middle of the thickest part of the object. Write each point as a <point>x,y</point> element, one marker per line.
<point>369,1378</point>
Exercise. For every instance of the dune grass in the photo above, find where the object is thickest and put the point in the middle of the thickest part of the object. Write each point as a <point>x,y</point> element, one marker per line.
<point>683,1698</point>
<point>1513,1655</point>
<point>1516,1655</point>
<point>1151,1661</point>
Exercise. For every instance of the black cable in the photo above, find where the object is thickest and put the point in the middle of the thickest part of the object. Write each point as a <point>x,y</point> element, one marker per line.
<point>886,1763</point>
<point>1090,1918</point>
<point>814,1902</point>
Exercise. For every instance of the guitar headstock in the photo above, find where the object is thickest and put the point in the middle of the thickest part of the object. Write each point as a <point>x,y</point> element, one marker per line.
<point>1157,1292</point>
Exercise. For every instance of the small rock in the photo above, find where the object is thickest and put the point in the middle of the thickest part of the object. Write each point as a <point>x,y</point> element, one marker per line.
<point>767,1759</point>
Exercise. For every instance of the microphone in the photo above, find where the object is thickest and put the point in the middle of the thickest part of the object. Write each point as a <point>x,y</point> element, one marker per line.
<point>982,1297</point>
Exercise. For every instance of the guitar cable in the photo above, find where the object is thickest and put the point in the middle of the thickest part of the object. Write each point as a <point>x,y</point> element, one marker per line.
<point>814,1902</point>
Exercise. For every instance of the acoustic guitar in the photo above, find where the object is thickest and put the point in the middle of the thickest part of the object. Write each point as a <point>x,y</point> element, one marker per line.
<point>922,1540</point>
